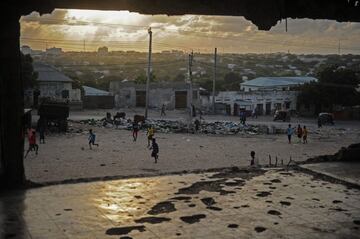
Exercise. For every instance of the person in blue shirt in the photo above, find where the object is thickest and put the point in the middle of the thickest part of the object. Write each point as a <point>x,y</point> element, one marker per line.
<point>289,132</point>
<point>92,137</point>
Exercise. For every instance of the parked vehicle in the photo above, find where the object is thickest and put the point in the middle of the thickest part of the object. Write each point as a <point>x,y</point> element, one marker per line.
<point>282,115</point>
<point>326,118</point>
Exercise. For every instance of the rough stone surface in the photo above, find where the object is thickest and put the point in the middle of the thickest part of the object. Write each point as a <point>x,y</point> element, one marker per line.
<point>111,210</point>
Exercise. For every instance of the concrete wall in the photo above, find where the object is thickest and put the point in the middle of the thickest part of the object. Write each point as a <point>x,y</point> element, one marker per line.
<point>125,95</point>
<point>75,95</point>
<point>98,102</point>
<point>53,89</point>
<point>161,96</point>
<point>251,100</point>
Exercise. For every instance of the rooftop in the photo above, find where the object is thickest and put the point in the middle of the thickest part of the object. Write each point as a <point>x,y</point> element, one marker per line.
<point>90,91</point>
<point>156,85</point>
<point>278,81</point>
<point>49,73</point>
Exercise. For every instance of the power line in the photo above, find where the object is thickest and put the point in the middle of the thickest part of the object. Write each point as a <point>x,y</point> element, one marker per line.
<point>198,34</point>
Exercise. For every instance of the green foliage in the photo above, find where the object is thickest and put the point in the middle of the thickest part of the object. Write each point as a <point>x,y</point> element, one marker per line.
<point>231,81</point>
<point>336,86</point>
<point>28,74</point>
<point>179,77</point>
<point>141,79</point>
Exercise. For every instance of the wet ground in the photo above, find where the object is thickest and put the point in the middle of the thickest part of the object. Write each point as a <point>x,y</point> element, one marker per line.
<point>226,204</point>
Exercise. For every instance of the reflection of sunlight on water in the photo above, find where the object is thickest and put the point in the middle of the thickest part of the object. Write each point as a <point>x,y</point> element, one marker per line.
<point>117,199</point>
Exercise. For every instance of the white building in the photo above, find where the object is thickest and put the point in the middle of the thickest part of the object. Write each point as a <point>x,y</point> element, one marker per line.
<point>265,94</point>
<point>265,102</point>
<point>274,83</point>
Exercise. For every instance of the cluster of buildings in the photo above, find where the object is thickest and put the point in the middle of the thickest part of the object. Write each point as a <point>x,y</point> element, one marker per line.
<point>265,94</point>
<point>53,85</point>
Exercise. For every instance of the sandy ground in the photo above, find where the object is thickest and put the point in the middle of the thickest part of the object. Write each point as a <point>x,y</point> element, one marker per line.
<point>67,156</point>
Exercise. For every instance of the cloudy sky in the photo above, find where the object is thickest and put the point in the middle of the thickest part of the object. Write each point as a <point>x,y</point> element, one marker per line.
<point>76,30</point>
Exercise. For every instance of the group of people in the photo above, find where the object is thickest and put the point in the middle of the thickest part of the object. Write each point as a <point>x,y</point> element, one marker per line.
<point>135,129</point>
<point>301,133</point>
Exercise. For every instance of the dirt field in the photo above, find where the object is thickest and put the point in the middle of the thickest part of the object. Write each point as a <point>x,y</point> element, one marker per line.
<point>67,156</point>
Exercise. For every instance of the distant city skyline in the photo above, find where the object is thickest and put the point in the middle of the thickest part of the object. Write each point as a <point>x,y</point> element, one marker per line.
<point>87,30</point>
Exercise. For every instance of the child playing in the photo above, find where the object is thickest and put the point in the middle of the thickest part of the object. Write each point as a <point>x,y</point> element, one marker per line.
<point>92,137</point>
<point>289,132</point>
<point>299,132</point>
<point>253,162</point>
<point>305,133</point>
<point>32,142</point>
<point>155,150</point>
<point>150,134</point>
<point>135,130</point>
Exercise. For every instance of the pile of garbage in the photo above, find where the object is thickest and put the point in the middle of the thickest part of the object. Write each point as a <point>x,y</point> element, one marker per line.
<point>178,126</point>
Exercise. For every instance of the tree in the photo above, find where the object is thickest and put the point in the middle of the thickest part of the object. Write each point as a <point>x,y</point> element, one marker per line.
<point>28,74</point>
<point>336,86</point>
<point>141,79</point>
<point>232,81</point>
<point>179,77</point>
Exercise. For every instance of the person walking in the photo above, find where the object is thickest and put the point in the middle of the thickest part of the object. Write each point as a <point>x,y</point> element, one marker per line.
<point>32,142</point>
<point>92,138</point>
<point>289,132</point>
<point>42,134</point>
<point>197,125</point>
<point>252,155</point>
<point>163,110</point>
<point>155,150</point>
<point>135,129</point>
<point>319,122</point>
<point>254,113</point>
<point>299,133</point>
<point>305,134</point>
<point>150,134</point>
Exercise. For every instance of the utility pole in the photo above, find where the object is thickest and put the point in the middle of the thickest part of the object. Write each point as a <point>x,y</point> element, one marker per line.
<point>339,47</point>
<point>148,74</point>
<point>84,46</point>
<point>214,80</point>
<point>191,56</point>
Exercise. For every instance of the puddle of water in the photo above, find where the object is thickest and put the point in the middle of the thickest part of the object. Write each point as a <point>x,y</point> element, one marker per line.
<point>274,212</point>
<point>162,207</point>
<point>259,229</point>
<point>284,203</point>
<point>152,220</point>
<point>263,194</point>
<point>208,201</point>
<point>193,219</point>
<point>124,230</point>
<point>233,226</point>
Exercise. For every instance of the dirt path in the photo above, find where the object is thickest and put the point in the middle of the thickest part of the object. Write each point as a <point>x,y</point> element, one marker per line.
<point>67,156</point>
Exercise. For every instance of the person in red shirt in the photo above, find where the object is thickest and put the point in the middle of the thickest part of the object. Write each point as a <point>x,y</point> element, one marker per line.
<point>32,142</point>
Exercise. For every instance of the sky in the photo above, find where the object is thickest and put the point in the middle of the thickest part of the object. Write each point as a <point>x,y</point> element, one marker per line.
<point>79,30</point>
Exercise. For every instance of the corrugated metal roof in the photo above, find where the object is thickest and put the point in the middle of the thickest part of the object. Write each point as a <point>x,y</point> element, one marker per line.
<point>278,81</point>
<point>49,73</point>
<point>90,91</point>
